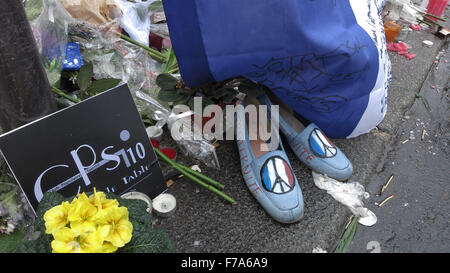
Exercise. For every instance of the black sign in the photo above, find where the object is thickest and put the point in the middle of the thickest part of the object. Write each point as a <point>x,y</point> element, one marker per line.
<point>100,142</point>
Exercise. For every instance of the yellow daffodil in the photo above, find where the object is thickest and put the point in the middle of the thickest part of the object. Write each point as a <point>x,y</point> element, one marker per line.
<point>68,240</point>
<point>56,217</point>
<point>115,225</point>
<point>82,214</point>
<point>99,200</point>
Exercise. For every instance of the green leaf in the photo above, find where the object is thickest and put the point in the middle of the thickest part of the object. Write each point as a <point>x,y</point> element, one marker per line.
<point>6,177</point>
<point>171,64</point>
<point>166,81</point>
<point>169,95</point>
<point>8,196</point>
<point>137,210</point>
<point>84,76</point>
<point>182,100</point>
<point>9,202</point>
<point>148,241</point>
<point>33,9</point>
<point>347,237</point>
<point>53,70</point>
<point>156,6</point>
<point>40,245</point>
<point>9,242</point>
<point>102,85</point>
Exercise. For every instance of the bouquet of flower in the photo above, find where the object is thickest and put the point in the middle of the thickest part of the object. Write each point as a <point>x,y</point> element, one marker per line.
<point>88,224</point>
<point>94,223</point>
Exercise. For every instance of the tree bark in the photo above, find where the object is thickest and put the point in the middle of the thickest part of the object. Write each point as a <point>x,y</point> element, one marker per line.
<point>25,93</point>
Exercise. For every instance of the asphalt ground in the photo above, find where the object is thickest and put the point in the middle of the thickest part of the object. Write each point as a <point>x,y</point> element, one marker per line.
<point>416,219</point>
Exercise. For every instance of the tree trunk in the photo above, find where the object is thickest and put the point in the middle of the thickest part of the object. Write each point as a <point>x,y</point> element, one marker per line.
<point>25,93</point>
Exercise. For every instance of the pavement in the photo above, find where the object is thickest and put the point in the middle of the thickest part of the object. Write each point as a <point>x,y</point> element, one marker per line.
<point>416,219</point>
<point>204,223</point>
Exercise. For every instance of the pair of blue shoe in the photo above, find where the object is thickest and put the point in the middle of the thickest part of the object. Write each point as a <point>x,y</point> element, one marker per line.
<point>268,173</point>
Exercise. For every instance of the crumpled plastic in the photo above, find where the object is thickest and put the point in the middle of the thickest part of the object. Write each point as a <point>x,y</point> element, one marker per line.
<point>405,10</point>
<point>113,57</point>
<point>350,194</point>
<point>135,19</point>
<point>96,12</point>
<point>200,149</point>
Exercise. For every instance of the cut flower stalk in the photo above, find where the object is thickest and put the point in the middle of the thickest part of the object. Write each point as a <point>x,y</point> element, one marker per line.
<point>197,177</point>
<point>152,52</point>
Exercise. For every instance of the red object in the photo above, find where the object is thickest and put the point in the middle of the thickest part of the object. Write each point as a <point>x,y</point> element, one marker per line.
<point>159,42</point>
<point>397,47</point>
<point>436,7</point>
<point>410,56</point>
<point>401,46</point>
<point>402,52</point>
<point>415,27</point>
<point>155,143</point>
<point>169,152</point>
<point>390,46</point>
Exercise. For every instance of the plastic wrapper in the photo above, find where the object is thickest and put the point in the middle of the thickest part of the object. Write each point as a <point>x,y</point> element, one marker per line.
<point>113,57</point>
<point>50,30</point>
<point>350,194</point>
<point>404,10</point>
<point>96,12</point>
<point>200,149</point>
<point>135,19</point>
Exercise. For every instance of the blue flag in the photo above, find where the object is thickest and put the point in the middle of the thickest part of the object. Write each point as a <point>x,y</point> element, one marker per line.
<point>326,59</point>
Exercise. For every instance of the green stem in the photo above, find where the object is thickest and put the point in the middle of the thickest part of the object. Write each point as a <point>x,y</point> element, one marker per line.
<point>64,95</point>
<point>417,95</point>
<point>347,237</point>
<point>193,178</point>
<point>152,52</point>
<point>432,21</point>
<point>434,16</point>
<point>173,70</point>
<point>427,23</point>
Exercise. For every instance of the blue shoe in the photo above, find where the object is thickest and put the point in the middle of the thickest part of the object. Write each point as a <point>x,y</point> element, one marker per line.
<point>312,146</point>
<point>269,176</point>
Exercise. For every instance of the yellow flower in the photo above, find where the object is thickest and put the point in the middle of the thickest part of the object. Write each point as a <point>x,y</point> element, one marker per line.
<point>68,240</point>
<point>65,241</point>
<point>99,200</point>
<point>81,197</point>
<point>56,217</point>
<point>82,213</point>
<point>108,247</point>
<point>91,242</point>
<point>115,225</point>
